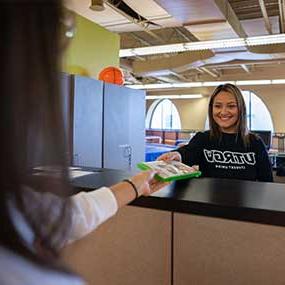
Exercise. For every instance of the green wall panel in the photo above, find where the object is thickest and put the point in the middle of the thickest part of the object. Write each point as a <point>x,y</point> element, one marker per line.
<point>92,49</point>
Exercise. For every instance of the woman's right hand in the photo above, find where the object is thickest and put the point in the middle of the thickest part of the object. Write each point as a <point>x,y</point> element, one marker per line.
<point>144,183</point>
<point>173,155</point>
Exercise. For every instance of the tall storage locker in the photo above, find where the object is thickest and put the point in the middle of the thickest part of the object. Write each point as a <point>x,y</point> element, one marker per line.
<point>105,123</point>
<point>137,125</point>
<point>124,127</point>
<point>67,109</point>
<point>87,121</point>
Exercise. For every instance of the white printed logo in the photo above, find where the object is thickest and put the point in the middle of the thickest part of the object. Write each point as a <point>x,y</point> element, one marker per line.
<point>213,156</point>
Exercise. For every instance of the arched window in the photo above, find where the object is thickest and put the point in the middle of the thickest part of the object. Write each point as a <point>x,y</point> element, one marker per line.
<point>162,114</point>
<point>258,115</point>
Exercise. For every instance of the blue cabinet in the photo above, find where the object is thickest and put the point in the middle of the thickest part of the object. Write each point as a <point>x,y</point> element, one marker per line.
<point>108,124</point>
<point>124,127</point>
<point>87,121</point>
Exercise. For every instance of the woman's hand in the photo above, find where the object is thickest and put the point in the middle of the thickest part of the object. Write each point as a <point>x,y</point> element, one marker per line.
<point>146,183</point>
<point>173,155</point>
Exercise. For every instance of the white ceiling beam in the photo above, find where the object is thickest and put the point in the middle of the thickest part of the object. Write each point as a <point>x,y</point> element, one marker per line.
<point>245,68</point>
<point>281,4</point>
<point>265,16</point>
<point>200,70</point>
<point>154,35</point>
<point>183,35</point>
<point>166,79</point>
<point>211,73</point>
<point>180,76</point>
<point>138,38</point>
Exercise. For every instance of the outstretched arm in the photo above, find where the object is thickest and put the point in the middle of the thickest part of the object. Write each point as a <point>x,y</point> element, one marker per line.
<point>90,209</point>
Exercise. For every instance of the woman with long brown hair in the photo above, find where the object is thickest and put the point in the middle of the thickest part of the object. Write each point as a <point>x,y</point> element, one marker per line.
<point>36,215</point>
<point>227,150</point>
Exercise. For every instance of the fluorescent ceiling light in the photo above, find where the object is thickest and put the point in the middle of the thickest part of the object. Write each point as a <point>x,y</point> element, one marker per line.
<point>184,96</point>
<point>253,82</point>
<point>158,86</point>
<point>216,83</point>
<point>230,43</point>
<point>187,84</point>
<point>265,40</point>
<point>204,45</point>
<point>205,84</point>
<point>278,81</point>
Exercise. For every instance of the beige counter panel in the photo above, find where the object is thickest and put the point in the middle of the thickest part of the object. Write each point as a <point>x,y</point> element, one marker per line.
<point>133,248</point>
<point>212,251</point>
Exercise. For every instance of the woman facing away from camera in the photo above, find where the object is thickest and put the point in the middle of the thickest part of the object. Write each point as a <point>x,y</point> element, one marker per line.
<point>37,215</point>
<point>227,150</point>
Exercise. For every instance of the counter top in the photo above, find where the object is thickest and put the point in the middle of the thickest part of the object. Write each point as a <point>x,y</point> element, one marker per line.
<point>259,202</point>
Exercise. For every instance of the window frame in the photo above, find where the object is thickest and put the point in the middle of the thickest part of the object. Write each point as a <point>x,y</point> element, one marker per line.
<point>153,107</point>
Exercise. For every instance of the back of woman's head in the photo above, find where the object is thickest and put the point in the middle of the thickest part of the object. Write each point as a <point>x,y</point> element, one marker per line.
<point>241,123</point>
<point>31,125</point>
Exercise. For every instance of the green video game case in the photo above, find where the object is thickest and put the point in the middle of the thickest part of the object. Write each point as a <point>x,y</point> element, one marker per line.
<point>170,170</point>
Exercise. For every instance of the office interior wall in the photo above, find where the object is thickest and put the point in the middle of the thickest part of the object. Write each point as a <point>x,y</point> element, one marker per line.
<point>274,99</point>
<point>92,49</point>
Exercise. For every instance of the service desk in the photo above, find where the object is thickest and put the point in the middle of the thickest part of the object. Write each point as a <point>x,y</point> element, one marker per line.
<point>199,231</point>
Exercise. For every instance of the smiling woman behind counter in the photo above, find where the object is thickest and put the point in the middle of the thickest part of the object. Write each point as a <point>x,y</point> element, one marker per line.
<point>228,149</point>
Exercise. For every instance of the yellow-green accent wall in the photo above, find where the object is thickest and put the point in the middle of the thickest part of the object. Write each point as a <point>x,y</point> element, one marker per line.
<point>92,49</point>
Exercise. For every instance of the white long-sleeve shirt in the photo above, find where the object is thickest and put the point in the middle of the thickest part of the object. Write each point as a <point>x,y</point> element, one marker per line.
<point>89,210</point>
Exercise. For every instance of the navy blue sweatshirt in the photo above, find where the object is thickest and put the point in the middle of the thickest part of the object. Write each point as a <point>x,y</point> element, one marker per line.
<point>228,157</point>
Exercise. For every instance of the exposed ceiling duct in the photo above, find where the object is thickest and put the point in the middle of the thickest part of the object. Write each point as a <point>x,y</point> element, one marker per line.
<point>122,8</point>
<point>165,65</point>
<point>158,22</point>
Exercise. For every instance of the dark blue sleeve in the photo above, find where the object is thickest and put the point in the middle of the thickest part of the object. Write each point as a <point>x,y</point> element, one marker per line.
<point>263,164</point>
<point>192,152</point>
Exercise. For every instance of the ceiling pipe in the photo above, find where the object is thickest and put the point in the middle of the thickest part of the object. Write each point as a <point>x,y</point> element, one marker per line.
<point>187,38</point>
<point>179,76</point>
<point>138,38</point>
<point>245,68</point>
<point>281,4</point>
<point>206,70</point>
<point>231,17</point>
<point>265,16</point>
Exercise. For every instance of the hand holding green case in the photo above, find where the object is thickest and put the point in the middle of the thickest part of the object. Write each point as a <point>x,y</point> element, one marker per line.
<point>170,170</point>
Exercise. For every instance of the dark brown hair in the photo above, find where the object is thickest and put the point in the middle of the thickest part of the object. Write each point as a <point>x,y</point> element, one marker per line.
<point>242,130</point>
<point>32,128</point>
